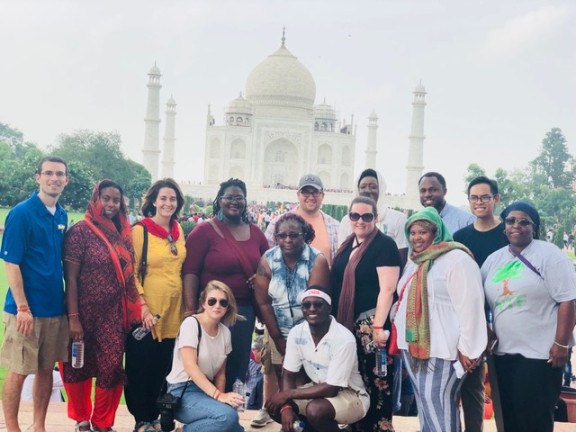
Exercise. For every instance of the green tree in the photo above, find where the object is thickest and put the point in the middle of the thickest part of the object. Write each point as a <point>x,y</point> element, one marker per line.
<point>474,170</point>
<point>552,164</point>
<point>79,190</point>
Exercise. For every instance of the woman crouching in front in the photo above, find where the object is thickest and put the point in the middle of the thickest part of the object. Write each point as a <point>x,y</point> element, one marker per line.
<point>198,372</point>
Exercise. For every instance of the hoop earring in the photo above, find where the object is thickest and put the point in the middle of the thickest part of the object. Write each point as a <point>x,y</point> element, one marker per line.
<point>220,215</point>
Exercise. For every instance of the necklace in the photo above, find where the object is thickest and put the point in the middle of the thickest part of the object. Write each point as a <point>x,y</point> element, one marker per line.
<point>358,243</point>
<point>288,281</point>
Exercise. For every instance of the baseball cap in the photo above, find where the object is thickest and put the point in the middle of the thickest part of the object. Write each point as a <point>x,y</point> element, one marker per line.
<point>310,180</point>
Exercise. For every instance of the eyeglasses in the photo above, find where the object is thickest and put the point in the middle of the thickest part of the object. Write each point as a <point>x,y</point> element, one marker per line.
<point>57,174</point>
<point>317,304</point>
<point>293,236</point>
<point>521,221</point>
<point>366,217</point>
<point>233,198</point>
<point>311,192</point>
<point>172,242</point>
<point>212,301</point>
<point>483,198</point>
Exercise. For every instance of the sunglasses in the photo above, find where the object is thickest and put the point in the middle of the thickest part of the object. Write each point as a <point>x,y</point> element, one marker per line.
<point>293,236</point>
<point>172,242</point>
<point>521,221</point>
<point>366,217</point>
<point>317,304</point>
<point>212,301</point>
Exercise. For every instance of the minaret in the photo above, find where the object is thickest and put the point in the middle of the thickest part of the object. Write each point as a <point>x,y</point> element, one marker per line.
<point>371,150</point>
<point>169,139</point>
<point>151,149</point>
<point>415,163</point>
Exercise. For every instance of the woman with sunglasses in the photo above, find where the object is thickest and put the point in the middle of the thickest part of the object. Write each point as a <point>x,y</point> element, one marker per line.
<point>228,248</point>
<point>530,287</point>
<point>284,272</point>
<point>198,374</point>
<point>364,276</point>
<point>161,294</point>
<point>440,319</point>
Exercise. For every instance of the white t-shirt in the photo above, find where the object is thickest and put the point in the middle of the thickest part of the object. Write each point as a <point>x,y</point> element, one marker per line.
<point>455,305</point>
<point>525,305</point>
<point>212,352</point>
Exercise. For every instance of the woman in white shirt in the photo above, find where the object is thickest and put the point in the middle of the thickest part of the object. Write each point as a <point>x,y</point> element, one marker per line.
<point>198,372</point>
<point>440,319</point>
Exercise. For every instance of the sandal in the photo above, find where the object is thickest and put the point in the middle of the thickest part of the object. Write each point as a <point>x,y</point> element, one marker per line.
<point>83,426</point>
<point>148,427</point>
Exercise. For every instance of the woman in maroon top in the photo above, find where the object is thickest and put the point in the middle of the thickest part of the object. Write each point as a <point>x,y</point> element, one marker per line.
<point>228,248</point>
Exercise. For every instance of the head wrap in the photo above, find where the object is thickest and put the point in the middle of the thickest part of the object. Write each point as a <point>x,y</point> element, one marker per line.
<point>315,293</point>
<point>417,313</point>
<point>527,208</point>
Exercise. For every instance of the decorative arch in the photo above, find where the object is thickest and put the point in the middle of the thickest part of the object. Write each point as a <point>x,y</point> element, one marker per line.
<point>238,149</point>
<point>325,154</point>
<point>281,164</point>
<point>214,174</point>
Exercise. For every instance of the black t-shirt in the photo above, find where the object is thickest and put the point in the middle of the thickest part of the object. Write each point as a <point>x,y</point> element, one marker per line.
<point>482,243</point>
<point>382,252</point>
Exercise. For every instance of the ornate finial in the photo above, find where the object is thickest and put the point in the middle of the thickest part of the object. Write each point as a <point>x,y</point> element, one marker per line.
<point>283,35</point>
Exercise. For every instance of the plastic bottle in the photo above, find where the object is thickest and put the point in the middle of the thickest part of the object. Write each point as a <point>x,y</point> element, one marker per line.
<point>78,354</point>
<point>142,331</point>
<point>238,387</point>
<point>299,426</point>
<point>381,362</point>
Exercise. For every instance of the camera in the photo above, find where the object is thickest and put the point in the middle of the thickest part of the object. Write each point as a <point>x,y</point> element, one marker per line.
<point>167,404</point>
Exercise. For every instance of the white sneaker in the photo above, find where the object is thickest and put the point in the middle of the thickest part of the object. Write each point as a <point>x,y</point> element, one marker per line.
<point>261,419</point>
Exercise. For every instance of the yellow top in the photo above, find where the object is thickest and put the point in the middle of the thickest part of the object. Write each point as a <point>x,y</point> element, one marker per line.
<point>162,288</point>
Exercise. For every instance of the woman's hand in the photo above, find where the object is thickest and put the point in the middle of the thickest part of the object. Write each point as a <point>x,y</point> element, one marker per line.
<point>380,337</point>
<point>75,328</point>
<point>148,320</point>
<point>250,281</point>
<point>232,399</point>
<point>557,356</point>
<point>467,363</point>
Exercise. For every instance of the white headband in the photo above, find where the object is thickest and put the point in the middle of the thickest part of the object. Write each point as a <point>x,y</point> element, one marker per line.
<point>315,293</point>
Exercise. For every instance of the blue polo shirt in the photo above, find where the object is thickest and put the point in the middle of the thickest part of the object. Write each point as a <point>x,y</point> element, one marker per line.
<point>33,239</point>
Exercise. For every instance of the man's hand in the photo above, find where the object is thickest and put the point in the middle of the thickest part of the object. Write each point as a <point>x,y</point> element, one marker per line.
<point>276,401</point>
<point>288,418</point>
<point>24,323</point>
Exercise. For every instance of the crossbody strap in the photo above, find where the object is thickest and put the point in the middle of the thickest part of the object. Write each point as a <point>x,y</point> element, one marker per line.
<point>525,261</point>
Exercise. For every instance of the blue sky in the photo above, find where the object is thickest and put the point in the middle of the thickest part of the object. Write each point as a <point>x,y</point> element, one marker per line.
<point>499,75</point>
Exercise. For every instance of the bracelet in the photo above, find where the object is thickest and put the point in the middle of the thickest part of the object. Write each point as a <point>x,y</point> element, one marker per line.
<point>143,304</point>
<point>377,327</point>
<point>561,346</point>
<point>217,397</point>
<point>73,315</point>
<point>285,407</point>
<point>24,308</point>
<point>214,393</point>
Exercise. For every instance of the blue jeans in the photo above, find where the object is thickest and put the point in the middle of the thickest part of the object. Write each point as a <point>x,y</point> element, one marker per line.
<point>200,413</point>
<point>239,357</point>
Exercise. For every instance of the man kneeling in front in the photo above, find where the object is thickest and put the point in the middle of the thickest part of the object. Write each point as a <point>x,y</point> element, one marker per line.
<point>320,380</point>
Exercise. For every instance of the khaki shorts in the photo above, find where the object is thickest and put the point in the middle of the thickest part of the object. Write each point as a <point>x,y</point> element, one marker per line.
<point>269,346</point>
<point>347,405</point>
<point>47,345</point>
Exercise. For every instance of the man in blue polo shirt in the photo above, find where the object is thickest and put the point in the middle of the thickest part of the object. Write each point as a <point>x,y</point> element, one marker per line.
<point>36,327</point>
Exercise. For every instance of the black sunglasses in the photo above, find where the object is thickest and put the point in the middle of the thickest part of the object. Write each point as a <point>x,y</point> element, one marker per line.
<point>172,242</point>
<point>366,217</point>
<point>293,236</point>
<point>521,221</point>
<point>317,304</point>
<point>212,301</point>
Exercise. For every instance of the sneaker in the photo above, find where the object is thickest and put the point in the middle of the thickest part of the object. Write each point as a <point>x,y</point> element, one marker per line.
<point>261,419</point>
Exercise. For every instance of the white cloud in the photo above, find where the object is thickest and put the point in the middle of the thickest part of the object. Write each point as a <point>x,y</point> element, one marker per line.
<point>522,31</point>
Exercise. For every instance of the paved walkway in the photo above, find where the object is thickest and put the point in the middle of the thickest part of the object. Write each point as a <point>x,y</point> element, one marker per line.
<point>57,421</point>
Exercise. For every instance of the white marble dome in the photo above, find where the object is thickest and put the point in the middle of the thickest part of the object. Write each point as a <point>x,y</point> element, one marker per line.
<point>240,106</point>
<point>281,80</point>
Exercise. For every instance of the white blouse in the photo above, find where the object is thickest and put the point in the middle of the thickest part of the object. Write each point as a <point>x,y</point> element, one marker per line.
<point>455,304</point>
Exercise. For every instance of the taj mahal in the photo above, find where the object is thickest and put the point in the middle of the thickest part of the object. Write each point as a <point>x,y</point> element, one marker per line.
<point>274,133</point>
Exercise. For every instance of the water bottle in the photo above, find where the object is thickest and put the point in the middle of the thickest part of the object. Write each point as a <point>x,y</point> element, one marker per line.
<point>78,354</point>
<point>142,331</point>
<point>238,387</point>
<point>381,362</point>
<point>299,426</point>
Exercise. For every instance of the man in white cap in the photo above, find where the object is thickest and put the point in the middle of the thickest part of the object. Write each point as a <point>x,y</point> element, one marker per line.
<point>310,196</point>
<point>331,391</point>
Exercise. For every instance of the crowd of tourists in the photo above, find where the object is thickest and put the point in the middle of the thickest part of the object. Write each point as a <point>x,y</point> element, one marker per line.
<point>363,318</point>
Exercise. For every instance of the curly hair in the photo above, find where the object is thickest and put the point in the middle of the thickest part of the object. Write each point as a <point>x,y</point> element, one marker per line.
<point>148,208</point>
<point>225,185</point>
<point>307,230</point>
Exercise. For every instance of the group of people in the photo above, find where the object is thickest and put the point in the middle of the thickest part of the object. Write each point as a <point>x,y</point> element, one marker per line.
<point>438,290</point>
